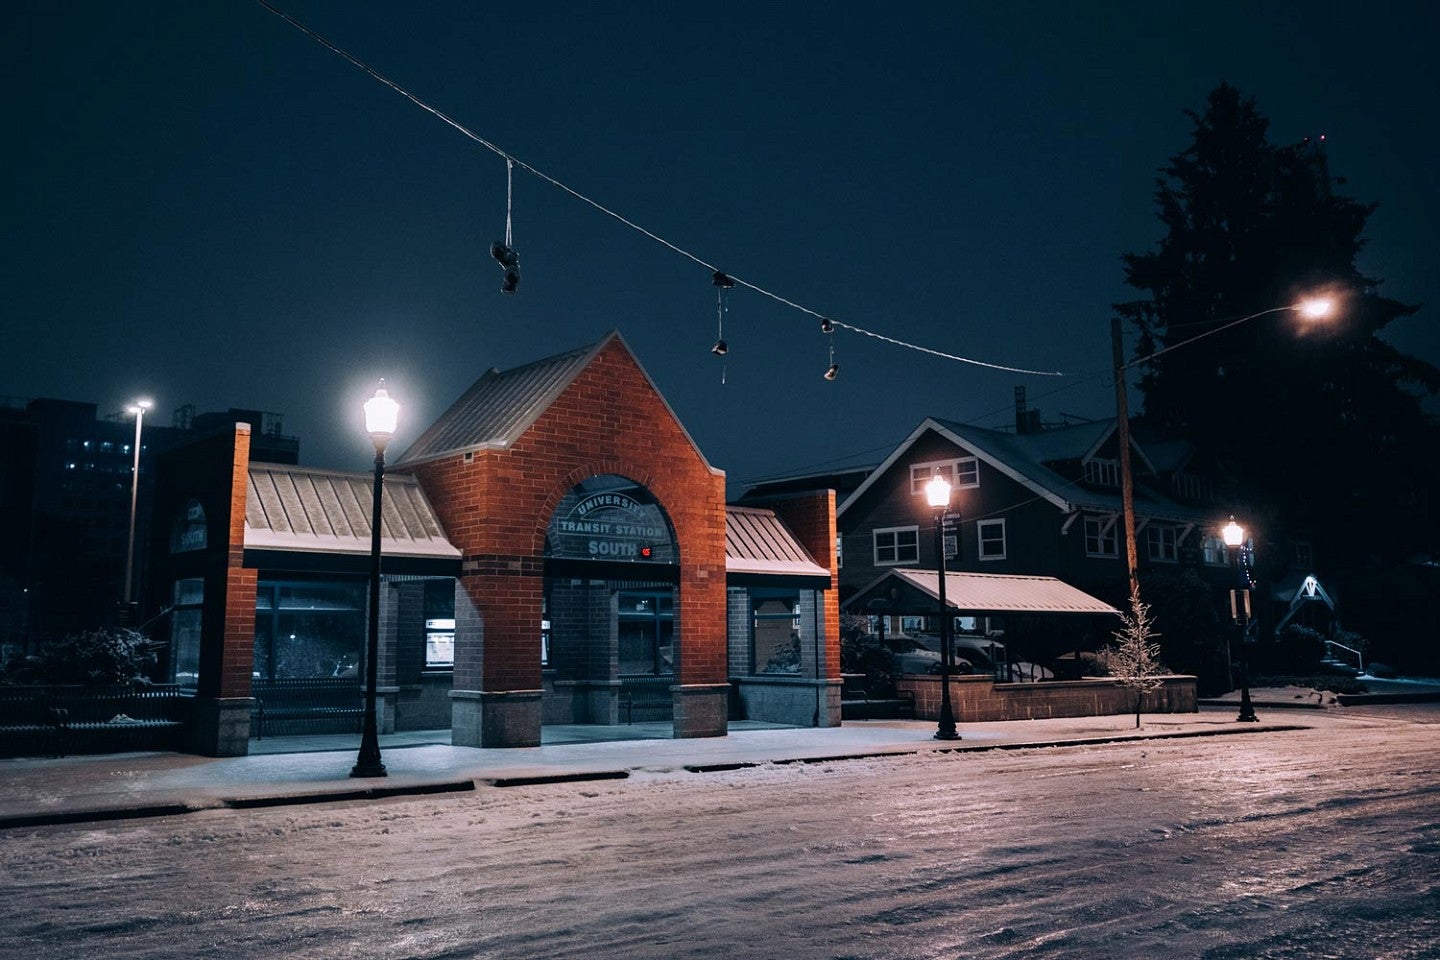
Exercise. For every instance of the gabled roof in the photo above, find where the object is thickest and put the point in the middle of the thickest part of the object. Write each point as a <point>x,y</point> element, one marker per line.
<point>757,541</point>
<point>1024,458</point>
<point>904,591</point>
<point>500,406</point>
<point>304,510</point>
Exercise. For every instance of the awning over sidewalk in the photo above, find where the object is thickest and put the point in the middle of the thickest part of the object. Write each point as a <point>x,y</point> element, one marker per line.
<point>918,592</point>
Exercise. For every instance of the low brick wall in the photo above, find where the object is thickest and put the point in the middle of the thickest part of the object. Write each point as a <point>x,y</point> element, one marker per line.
<point>978,698</point>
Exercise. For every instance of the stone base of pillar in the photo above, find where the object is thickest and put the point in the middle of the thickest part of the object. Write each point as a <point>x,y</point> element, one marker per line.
<point>503,719</point>
<point>387,701</point>
<point>221,727</point>
<point>701,709</point>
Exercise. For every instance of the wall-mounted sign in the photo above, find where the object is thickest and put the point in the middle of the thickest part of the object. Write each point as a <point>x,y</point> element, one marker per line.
<point>188,531</point>
<point>610,518</point>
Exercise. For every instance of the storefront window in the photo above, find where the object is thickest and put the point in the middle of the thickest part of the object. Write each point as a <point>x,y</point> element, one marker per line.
<point>776,632</point>
<point>647,633</point>
<point>308,629</point>
<point>189,599</point>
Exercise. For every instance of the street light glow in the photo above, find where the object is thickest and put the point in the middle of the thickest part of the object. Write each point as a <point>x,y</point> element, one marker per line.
<point>937,492</point>
<point>140,406</point>
<point>1316,308</point>
<point>1233,533</point>
<point>382,413</point>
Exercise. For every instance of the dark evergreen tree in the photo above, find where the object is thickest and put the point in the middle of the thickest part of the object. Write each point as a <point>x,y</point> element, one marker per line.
<point>1321,419</point>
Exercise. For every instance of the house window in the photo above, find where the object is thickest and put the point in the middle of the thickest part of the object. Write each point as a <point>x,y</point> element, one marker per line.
<point>1100,539</point>
<point>990,536</point>
<point>895,545</point>
<point>964,472</point>
<point>1104,473</point>
<point>185,620</point>
<point>1214,553</point>
<point>1161,541</point>
<point>839,551</point>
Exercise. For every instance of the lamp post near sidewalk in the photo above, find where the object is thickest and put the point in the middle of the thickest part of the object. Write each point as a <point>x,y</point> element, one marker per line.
<point>937,494</point>
<point>138,408</point>
<point>1234,536</point>
<point>381,414</point>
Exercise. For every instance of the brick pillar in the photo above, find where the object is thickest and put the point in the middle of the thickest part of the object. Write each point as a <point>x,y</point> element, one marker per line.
<point>497,694</point>
<point>218,471</point>
<point>387,691</point>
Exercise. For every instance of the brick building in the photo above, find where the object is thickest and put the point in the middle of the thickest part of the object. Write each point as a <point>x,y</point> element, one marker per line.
<point>556,549</point>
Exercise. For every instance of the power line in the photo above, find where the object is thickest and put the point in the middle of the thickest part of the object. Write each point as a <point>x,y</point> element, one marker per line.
<point>516,161</point>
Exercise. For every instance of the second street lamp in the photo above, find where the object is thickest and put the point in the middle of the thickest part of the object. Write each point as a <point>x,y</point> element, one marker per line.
<point>1234,536</point>
<point>381,415</point>
<point>937,494</point>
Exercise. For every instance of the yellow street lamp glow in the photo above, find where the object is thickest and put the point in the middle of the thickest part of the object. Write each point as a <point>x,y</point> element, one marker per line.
<point>937,492</point>
<point>1233,533</point>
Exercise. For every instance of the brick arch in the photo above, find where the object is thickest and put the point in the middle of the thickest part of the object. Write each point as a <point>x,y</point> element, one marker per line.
<point>579,475</point>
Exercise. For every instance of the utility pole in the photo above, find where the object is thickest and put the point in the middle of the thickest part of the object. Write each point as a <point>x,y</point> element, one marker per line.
<point>1127,481</point>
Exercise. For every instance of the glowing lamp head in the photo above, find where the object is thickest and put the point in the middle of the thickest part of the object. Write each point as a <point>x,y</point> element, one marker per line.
<point>381,415</point>
<point>140,406</point>
<point>937,492</point>
<point>1316,308</point>
<point>1233,533</point>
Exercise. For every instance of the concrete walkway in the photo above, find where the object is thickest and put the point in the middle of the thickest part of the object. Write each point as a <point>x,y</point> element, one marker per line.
<point>316,769</point>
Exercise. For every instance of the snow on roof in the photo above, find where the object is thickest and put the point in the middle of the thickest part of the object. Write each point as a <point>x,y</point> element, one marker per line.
<point>305,510</point>
<point>990,592</point>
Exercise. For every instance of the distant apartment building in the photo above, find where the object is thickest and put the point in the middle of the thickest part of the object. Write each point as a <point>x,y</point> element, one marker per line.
<point>65,482</point>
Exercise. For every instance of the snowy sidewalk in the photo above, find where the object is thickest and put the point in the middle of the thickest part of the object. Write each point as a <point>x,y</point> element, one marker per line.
<point>119,786</point>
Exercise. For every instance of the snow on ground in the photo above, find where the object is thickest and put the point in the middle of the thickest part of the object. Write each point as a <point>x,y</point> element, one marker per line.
<point>1315,843</point>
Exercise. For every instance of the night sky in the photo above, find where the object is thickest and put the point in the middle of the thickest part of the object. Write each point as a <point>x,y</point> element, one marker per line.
<point>210,208</point>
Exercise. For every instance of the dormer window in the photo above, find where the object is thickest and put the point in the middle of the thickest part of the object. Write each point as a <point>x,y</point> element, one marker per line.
<point>962,472</point>
<point>1103,473</point>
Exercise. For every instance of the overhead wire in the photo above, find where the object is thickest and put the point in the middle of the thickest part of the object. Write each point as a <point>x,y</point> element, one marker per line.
<point>516,161</point>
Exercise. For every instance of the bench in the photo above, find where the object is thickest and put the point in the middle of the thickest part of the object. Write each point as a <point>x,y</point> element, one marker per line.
<point>306,705</point>
<point>629,705</point>
<point>56,720</point>
<point>858,702</point>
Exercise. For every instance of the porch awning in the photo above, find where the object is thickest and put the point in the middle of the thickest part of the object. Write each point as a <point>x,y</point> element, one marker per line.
<point>918,591</point>
<point>293,512</point>
<point>759,545</point>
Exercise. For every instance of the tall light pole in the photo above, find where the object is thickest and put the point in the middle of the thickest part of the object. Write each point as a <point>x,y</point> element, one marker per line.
<point>1311,308</point>
<point>381,415</point>
<point>937,494</point>
<point>138,408</point>
<point>1234,535</point>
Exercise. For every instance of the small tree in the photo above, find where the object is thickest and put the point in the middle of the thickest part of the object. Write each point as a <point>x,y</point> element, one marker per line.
<point>1133,660</point>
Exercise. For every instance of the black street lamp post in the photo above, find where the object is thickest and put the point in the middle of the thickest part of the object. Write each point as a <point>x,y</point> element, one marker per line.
<point>937,493</point>
<point>381,413</point>
<point>1234,536</point>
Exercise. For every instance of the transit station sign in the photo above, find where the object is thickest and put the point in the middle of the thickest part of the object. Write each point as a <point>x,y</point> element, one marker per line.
<point>620,523</point>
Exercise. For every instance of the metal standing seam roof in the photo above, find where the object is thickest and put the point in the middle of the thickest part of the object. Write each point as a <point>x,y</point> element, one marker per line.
<point>757,541</point>
<point>1001,593</point>
<point>500,406</point>
<point>304,510</point>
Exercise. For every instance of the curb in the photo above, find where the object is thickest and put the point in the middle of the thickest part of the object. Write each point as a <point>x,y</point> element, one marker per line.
<point>68,817</point>
<point>1361,699</point>
<point>1266,704</point>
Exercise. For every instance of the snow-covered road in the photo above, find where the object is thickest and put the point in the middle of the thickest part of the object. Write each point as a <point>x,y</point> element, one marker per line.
<point>1320,843</point>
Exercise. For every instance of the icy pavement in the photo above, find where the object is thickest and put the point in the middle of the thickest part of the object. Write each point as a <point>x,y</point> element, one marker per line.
<point>1314,843</point>
<point>91,787</point>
